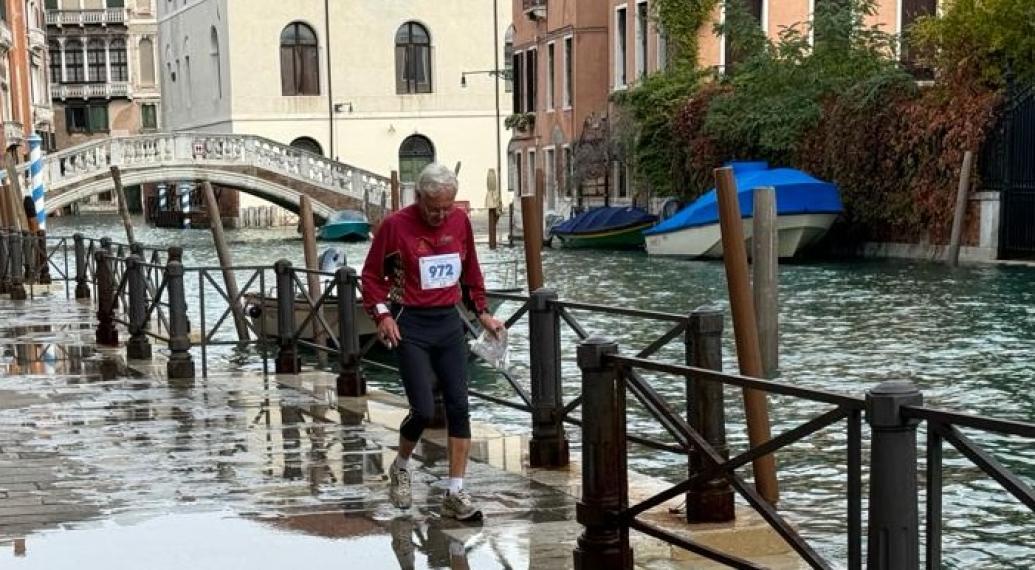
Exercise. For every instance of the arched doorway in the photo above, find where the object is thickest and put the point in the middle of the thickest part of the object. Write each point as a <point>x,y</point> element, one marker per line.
<point>307,144</point>
<point>415,153</point>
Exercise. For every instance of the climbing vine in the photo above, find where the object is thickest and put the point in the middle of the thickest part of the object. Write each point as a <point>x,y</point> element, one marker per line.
<point>681,22</point>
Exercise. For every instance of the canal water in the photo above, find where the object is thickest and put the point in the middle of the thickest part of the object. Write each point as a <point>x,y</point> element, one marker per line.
<point>965,336</point>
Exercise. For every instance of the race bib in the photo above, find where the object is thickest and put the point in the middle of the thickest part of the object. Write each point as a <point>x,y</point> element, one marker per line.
<point>439,271</point>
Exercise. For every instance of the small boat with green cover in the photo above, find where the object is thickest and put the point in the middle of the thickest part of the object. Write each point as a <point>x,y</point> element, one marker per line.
<point>608,227</point>
<point>346,225</point>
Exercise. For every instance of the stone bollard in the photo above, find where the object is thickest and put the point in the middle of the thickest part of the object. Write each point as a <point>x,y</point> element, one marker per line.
<point>549,445</point>
<point>29,256</point>
<point>350,377</point>
<point>181,364</point>
<point>14,267</point>
<point>107,334</point>
<point>82,288</point>
<point>604,542</point>
<point>712,501</point>
<point>5,277</point>
<point>893,538</point>
<point>288,361</point>
<point>138,347</point>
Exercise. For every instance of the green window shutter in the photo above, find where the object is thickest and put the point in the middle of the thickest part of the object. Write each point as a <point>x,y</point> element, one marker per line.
<point>97,122</point>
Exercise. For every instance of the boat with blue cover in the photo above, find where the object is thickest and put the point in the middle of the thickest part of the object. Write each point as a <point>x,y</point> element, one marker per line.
<point>806,207</point>
<point>608,227</point>
<point>346,225</point>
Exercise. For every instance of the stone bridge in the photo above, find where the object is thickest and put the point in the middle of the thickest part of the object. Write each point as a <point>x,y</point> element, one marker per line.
<point>251,164</point>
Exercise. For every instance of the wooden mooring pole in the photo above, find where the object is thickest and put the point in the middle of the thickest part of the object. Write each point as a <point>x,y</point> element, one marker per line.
<point>396,198</point>
<point>764,265</point>
<point>961,209</point>
<point>532,225</point>
<point>312,264</point>
<point>226,261</point>
<point>120,194</point>
<point>745,329</point>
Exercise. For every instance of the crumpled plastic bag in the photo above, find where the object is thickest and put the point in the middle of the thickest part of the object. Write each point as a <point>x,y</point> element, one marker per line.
<point>492,349</point>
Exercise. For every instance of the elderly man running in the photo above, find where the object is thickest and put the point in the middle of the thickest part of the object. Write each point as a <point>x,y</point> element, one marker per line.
<point>421,264</point>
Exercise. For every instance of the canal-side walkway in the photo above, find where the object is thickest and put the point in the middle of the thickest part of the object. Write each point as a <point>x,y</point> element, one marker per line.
<point>107,463</point>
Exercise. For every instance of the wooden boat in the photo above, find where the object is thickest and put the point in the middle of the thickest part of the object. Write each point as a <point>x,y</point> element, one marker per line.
<point>608,227</point>
<point>346,225</point>
<point>805,207</point>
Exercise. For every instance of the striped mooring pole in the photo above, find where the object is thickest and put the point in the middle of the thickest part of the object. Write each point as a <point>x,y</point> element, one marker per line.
<point>163,200</point>
<point>185,204</point>
<point>36,178</point>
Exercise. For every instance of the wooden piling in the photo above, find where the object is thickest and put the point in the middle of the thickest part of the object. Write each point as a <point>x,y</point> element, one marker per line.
<point>395,191</point>
<point>226,262</point>
<point>493,203</point>
<point>764,263</point>
<point>953,257</point>
<point>745,329</point>
<point>532,226</point>
<point>311,263</point>
<point>120,194</point>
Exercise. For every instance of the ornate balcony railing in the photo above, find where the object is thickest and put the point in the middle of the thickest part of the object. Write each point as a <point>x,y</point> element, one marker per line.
<point>90,90</point>
<point>86,17</point>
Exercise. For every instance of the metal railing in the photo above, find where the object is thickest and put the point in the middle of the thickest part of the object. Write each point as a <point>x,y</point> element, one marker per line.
<point>134,294</point>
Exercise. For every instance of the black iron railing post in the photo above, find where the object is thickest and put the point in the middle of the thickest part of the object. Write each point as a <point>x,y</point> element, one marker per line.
<point>29,256</point>
<point>5,275</point>
<point>43,277</point>
<point>107,334</point>
<point>288,361</point>
<point>82,288</point>
<point>350,376</point>
<point>138,347</point>
<point>711,501</point>
<point>548,446</point>
<point>14,246</point>
<point>894,528</point>
<point>181,363</point>
<point>604,542</point>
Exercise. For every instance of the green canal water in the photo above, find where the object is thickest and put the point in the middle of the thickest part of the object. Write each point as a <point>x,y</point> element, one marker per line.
<point>965,336</point>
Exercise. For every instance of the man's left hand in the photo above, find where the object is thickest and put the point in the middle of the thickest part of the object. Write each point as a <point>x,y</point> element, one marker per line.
<point>490,324</point>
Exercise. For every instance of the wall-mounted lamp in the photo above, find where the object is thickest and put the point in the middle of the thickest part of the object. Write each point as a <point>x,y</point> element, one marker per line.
<point>340,107</point>
<point>501,73</point>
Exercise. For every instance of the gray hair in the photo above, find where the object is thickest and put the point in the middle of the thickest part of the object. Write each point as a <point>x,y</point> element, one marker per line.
<point>435,179</point>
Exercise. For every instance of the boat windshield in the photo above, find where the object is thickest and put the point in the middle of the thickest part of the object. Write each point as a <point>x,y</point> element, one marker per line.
<point>347,216</point>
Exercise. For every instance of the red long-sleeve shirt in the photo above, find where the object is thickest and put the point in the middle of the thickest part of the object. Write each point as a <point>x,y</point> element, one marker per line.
<point>393,269</point>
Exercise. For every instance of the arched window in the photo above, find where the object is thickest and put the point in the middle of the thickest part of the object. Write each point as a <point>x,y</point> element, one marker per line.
<point>55,62</point>
<point>412,59</point>
<point>415,153</point>
<point>147,62</point>
<point>299,61</point>
<point>119,61</point>
<point>74,72</point>
<point>217,65</point>
<point>95,61</point>
<point>307,144</point>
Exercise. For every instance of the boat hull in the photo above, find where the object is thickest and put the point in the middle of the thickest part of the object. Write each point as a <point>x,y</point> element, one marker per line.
<point>794,233</point>
<point>347,231</point>
<point>622,238</point>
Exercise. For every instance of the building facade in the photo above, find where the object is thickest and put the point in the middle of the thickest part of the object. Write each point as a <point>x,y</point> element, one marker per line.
<point>103,71</point>
<point>24,100</point>
<point>379,85</point>
<point>569,58</point>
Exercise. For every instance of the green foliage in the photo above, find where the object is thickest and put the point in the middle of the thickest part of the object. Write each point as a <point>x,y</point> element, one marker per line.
<point>641,127</point>
<point>682,21</point>
<point>520,121</point>
<point>980,40</point>
<point>777,89</point>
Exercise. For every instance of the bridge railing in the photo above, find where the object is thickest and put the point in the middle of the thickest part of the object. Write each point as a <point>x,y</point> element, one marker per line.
<point>893,411</point>
<point>70,167</point>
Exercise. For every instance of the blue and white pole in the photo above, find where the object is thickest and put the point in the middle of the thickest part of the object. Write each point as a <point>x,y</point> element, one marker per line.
<point>163,199</point>
<point>185,204</point>
<point>36,178</point>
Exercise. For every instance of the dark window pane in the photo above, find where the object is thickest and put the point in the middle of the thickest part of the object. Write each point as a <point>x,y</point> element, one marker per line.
<point>287,71</point>
<point>116,3</point>
<point>95,55</point>
<point>518,91</point>
<point>310,71</point>
<point>415,153</point>
<point>149,117</point>
<point>74,62</point>
<point>299,61</point>
<point>98,120</point>
<point>412,59</point>
<point>400,70</point>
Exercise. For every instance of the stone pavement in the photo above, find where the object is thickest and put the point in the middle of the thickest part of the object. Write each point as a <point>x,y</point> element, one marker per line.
<point>107,464</point>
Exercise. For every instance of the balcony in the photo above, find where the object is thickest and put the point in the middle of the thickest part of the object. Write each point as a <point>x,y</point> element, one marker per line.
<point>90,90</point>
<point>14,133</point>
<point>86,17</point>
<point>6,38</point>
<point>534,9</point>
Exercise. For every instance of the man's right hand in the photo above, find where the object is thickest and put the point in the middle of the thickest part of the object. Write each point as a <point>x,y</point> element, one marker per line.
<point>388,332</point>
